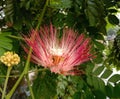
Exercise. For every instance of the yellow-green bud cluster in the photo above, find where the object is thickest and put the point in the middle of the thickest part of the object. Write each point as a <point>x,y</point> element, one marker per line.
<point>10,59</point>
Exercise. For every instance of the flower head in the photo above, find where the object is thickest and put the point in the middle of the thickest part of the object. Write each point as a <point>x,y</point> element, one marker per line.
<point>10,59</point>
<point>60,55</point>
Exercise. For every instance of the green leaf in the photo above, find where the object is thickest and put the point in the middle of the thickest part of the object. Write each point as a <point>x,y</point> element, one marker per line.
<point>99,36</point>
<point>98,59</point>
<point>92,19</point>
<point>5,42</point>
<point>2,51</point>
<point>3,71</point>
<point>113,19</point>
<point>90,80</point>
<point>5,39</point>
<point>77,95</point>
<point>106,74</point>
<point>115,78</point>
<point>99,84</point>
<point>109,90</point>
<point>44,87</point>
<point>91,13</point>
<point>5,33</point>
<point>6,45</point>
<point>88,94</point>
<point>93,10</point>
<point>99,95</point>
<point>98,70</point>
<point>99,45</point>
<point>99,88</point>
<point>116,91</point>
<point>112,10</point>
<point>60,4</point>
<point>109,3</point>
<point>89,68</point>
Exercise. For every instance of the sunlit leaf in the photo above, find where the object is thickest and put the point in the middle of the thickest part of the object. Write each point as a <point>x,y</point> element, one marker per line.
<point>106,74</point>
<point>98,70</point>
<point>115,78</point>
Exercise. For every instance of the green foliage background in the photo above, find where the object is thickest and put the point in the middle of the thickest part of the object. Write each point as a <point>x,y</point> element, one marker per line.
<point>86,16</point>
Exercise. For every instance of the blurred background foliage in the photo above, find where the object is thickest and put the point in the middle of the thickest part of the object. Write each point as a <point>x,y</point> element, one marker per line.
<point>95,18</point>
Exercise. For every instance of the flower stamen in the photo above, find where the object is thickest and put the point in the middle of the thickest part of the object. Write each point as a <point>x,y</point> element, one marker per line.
<point>56,59</point>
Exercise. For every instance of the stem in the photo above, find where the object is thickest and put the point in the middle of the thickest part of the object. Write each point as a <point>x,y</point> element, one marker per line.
<point>21,76</point>
<point>6,81</point>
<point>1,90</point>
<point>30,88</point>
<point>3,76</point>
<point>28,81</point>
<point>42,14</point>
<point>38,70</point>
<point>28,61</point>
<point>15,37</point>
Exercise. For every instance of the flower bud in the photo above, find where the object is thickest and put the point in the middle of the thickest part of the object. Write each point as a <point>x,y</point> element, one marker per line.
<point>10,58</point>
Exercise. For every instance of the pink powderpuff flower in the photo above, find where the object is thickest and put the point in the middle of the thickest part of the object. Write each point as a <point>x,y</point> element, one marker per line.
<point>61,55</point>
